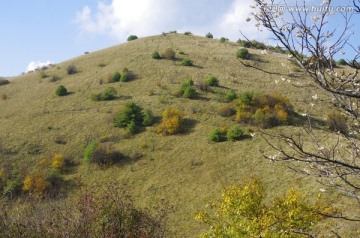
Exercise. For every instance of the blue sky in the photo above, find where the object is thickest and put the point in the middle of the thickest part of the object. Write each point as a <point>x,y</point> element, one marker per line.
<point>40,31</point>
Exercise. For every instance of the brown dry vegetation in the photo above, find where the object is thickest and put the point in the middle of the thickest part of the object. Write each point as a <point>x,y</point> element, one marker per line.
<point>187,170</point>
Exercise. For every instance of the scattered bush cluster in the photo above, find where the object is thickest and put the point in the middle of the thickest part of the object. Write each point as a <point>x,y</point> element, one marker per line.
<point>172,120</point>
<point>42,179</point>
<point>106,95</point>
<point>260,46</point>
<point>224,133</point>
<point>265,110</point>
<point>188,33</point>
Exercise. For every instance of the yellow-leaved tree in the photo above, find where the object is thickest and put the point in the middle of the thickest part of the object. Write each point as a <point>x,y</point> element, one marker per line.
<point>242,212</point>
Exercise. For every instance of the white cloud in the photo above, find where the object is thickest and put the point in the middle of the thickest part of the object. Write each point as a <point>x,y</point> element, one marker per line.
<point>234,21</point>
<point>33,65</point>
<point>124,17</point>
<point>121,18</point>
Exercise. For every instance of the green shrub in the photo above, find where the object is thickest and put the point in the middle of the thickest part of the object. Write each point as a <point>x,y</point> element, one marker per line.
<point>169,54</point>
<point>188,33</point>
<point>231,95</point>
<point>132,37</point>
<point>131,113</point>
<point>243,53</point>
<point>190,92</point>
<point>54,78</point>
<point>213,81</point>
<point>217,135</point>
<point>89,151</point>
<point>3,81</point>
<point>107,95</point>
<point>234,133</point>
<point>187,62</point>
<point>209,35</point>
<point>342,62</point>
<point>223,39</point>
<point>187,90</point>
<point>244,43</point>
<point>71,69</point>
<point>337,122</point>
<point>132,127</point>
<point>156,55</point>
<point>247,97</point>
<point>126,75</point>
<point>148,118</point>
<point>116,77</point>
<point>61,91</point>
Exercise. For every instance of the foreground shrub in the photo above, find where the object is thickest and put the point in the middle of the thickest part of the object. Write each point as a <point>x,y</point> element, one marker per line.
<point>169,54</point>
<point>209,35</point>
<point>105,211</point>
<point>242,53</point>
<point>89,150</point>
<point>132,37</point>
<point>71,69</point>
<point>337,122</point>
<point>187,62</point>
<point>244,211</point>
<point>156,55</point>
<point>172,120</point>
<point>61,91</point>
<point>130,117</point>
<point>234,133</point>
<point>213,81</point>
<point>107,95</point>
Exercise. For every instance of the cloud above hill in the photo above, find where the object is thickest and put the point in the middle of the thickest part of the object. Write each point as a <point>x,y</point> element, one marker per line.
<point>37,65</point>
<point>120,18</point>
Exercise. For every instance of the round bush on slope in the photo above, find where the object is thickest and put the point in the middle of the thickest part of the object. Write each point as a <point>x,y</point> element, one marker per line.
<point>61,91</point>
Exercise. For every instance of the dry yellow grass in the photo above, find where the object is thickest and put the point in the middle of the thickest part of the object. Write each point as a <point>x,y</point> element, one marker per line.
<point>186,169</point>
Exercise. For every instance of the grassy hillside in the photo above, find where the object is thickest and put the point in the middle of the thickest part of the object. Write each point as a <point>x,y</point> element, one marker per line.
<point>187,170</point>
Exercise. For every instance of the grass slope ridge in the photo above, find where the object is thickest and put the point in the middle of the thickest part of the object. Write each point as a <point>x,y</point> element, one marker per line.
<point>186,169</point>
